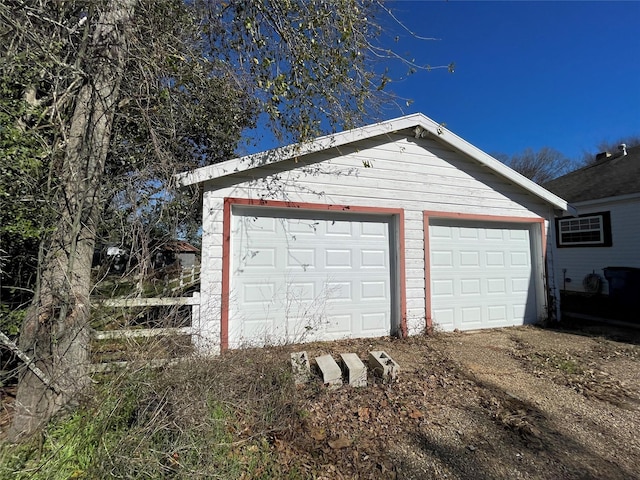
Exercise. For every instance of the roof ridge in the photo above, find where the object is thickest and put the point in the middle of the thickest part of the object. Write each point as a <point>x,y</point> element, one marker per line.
<point>632,151</point>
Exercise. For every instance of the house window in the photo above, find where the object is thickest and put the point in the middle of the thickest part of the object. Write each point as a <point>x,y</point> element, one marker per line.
<point>591,230</point>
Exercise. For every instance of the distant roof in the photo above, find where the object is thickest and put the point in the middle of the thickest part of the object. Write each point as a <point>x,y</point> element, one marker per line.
<point>417,122</point>
<point>179,246</point>
<point>610,177</point>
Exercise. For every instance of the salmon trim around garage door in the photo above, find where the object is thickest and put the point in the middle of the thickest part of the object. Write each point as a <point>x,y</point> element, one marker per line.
<point>483,271</point>
<point>305,272</point>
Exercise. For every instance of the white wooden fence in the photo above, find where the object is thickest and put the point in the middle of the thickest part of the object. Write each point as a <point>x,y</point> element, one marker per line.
<point>129,333</point>
<point>188,277</point>
<point>193,301</point>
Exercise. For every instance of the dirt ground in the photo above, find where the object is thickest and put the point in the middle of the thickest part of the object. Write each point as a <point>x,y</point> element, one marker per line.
<point>501,404</point>
<point>516,403</point>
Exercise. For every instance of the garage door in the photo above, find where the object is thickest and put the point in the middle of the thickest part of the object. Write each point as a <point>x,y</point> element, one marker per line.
<point>301,276</point>
<point>481,275</point>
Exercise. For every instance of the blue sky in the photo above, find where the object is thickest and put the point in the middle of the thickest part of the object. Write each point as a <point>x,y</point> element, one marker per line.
<point>564,75</point>
<point>528,74</point>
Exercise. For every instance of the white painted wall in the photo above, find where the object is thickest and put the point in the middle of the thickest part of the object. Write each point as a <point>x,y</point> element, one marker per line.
<point>392,171</point>
<point>625,251</point>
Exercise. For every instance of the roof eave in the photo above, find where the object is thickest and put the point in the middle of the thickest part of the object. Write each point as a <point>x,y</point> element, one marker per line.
<point>614,198</point>
<point>500,168</point>
<point>236,165</point>
<point>256,160</point>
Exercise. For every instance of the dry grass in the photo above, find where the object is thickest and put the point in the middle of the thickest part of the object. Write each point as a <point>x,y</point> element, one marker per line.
<point>200,418</point>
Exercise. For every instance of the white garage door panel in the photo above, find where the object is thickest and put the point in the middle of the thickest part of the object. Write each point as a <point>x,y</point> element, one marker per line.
<point>481,275</point>
<point>317,276</point>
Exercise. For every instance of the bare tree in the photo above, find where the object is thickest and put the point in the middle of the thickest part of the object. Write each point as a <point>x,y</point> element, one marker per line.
<point>122,93</point>
<point>540,166</point>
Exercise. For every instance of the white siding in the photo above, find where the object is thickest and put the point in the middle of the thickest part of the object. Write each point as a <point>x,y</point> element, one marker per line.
<point>392,171</point>
<point>625,251</point>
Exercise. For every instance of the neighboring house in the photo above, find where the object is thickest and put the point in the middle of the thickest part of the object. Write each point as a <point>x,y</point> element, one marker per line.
<point>174,252</point>
<point>606,231</point>
<point>327,239</point>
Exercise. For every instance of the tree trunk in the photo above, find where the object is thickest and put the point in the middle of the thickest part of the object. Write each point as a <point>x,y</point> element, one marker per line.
<point>55,333</point>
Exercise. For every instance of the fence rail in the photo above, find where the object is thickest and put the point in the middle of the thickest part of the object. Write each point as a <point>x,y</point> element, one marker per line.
<point>131,333</point>
<point>151,302</point>
<point>110,366</point>
<point>140,333</point>
<point>188,277</point>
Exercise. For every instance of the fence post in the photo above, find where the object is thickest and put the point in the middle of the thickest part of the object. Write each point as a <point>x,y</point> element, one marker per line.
<point>195,313</point>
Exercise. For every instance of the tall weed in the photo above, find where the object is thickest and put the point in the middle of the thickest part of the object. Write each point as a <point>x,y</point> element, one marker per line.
<point>205,418</point>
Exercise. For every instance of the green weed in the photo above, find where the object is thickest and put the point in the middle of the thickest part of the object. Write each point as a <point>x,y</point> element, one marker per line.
<point>181,422</point>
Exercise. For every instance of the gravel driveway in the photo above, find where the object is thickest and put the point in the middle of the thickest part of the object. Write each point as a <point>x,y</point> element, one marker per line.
<point>575,396</point>
<point>497,404</point>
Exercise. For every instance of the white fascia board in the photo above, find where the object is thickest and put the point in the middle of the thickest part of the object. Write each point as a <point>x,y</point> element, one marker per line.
<point>498,167</point>
<point>276,155</point>
<point>268,157</point>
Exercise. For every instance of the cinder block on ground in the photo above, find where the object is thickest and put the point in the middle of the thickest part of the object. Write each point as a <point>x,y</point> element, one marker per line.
<point>331,373</point>
<point>301,367</point>
<point>383,365</point>
<point>355,370</point>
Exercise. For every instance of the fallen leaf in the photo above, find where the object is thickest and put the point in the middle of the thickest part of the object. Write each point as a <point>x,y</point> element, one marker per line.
<point>364,413</point>
<point>318,434</point>
<point>340,442</point>
<point>279,444</point>
<point>416,414</point>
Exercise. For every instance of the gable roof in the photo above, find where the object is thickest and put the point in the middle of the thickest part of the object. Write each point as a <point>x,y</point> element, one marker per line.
<point>611,177</point>
<point>421,125</point>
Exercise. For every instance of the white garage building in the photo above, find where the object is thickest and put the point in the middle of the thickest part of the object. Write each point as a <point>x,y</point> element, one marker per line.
<point>390,229</point>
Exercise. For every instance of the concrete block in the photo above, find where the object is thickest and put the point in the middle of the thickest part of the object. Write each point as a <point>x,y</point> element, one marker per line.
<point>301,367</point>
<point>331,373</point>
<point>356,371</point>
<point>383,365</point>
